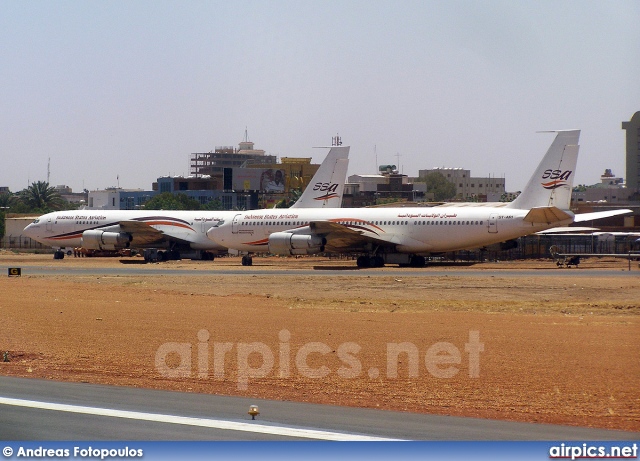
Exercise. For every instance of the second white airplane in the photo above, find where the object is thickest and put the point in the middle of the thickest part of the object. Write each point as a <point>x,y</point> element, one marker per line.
<point>406,235</point>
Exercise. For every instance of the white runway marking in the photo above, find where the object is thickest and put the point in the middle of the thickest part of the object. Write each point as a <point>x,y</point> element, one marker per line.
<point>190,421</point>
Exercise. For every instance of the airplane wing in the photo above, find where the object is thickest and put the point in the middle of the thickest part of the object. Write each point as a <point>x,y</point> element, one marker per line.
<point>142,233</point>
<point>568,230</point>
<point>342,238</point>
<point>582,217</point>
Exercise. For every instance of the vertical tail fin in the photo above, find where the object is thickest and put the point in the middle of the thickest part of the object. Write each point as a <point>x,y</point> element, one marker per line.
<point>552,182</point>
<point>327,186</point>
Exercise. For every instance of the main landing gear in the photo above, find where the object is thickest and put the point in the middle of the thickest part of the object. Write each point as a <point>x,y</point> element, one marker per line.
<point>403,260</point>
<point>370,261</point>
<point>247,260</point>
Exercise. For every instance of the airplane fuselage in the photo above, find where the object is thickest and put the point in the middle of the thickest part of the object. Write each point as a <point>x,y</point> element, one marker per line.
<point>64,229</point>
<point>407,230</point>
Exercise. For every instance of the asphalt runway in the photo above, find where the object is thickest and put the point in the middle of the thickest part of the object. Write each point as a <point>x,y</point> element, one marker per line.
<point>32,409</point>
<point>321,271</point>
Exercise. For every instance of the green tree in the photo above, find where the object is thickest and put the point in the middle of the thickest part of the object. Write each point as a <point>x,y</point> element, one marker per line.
<point>293,197</point>
<point>6,198</point>
<point>440,186</point>
<point>284,203</point>
<point>213,205</point>
<point>169,201</point>
<point>41,197</point>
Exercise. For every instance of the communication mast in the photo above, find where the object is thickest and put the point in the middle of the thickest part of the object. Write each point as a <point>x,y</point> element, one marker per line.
<point>336,140</point>
<point>48,169</point>
<point>397,156</point>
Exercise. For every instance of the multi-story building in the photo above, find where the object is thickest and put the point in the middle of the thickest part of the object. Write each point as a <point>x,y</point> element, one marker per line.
<point>610,189</point>
<point>490,189</point>
<point>213,163</point>
<point>376,189</point>
<point>67,194</point>
<point>633,153</point>
<point>115,198</point>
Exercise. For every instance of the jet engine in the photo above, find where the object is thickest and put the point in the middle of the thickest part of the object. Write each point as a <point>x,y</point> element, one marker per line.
<point>286,243</point>
<point>102,240</point>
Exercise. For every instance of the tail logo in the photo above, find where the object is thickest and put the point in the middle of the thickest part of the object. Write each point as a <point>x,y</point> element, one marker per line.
<point>558,178</point>
<point>325,187</point>
<point>328,188</point>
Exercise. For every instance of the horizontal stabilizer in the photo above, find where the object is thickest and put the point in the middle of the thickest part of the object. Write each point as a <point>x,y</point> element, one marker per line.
<point>582,217</point>
<point>567,230</point>
<point>547,215</point>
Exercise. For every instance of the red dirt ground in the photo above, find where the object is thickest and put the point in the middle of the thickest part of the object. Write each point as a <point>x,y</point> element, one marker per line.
<point>555,349</point>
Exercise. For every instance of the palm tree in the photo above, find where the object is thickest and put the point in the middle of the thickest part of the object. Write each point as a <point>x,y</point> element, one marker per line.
<point>7,200</point>
<point>40,196</point>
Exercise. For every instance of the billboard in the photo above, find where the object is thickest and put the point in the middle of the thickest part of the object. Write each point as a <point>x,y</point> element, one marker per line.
<point>259,179</point>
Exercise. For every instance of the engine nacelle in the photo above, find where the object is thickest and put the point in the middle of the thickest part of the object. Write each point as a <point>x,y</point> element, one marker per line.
<point>102,240</point>
<point>286,243</point>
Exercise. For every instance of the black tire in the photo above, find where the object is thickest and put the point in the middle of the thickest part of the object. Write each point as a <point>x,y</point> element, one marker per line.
<point>417,261</point>
<point>363,262</point>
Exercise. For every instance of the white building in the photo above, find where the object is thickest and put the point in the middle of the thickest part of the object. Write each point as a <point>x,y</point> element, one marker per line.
<point>367,182</point>
<point>610,189</point>
<point>111,198</point>
<point>468,187</point>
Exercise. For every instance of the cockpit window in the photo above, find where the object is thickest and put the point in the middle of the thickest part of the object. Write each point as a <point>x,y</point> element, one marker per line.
<point>36,221</point>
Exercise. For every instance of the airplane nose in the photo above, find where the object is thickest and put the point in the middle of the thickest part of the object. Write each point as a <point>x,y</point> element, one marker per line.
<point>31,231</point>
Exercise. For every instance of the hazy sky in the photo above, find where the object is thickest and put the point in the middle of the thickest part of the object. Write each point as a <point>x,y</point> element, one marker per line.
<point>131,88</point>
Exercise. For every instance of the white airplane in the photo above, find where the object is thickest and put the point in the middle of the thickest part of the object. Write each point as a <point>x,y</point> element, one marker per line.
<point>406,235</point>
<point>171,234</point>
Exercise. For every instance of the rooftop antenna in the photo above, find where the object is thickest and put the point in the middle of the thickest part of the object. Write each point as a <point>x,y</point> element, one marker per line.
<point>246,134</point>
<point>336,140</point>
<point>375,152</point>
<point>397,156</point>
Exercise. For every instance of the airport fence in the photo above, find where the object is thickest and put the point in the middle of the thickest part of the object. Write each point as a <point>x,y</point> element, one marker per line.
<point>537,247</point>
<point>20,242</point>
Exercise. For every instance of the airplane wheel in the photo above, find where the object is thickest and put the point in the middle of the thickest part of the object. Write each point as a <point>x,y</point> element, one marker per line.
<point>247,260</point>
<point>363,261</point>
<point>417,261</point>
<point>376,261</point>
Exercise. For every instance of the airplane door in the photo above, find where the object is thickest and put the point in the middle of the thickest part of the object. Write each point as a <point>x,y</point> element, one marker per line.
<point>493,223</point>
<point>235,224</point>
<point>49,225</point>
